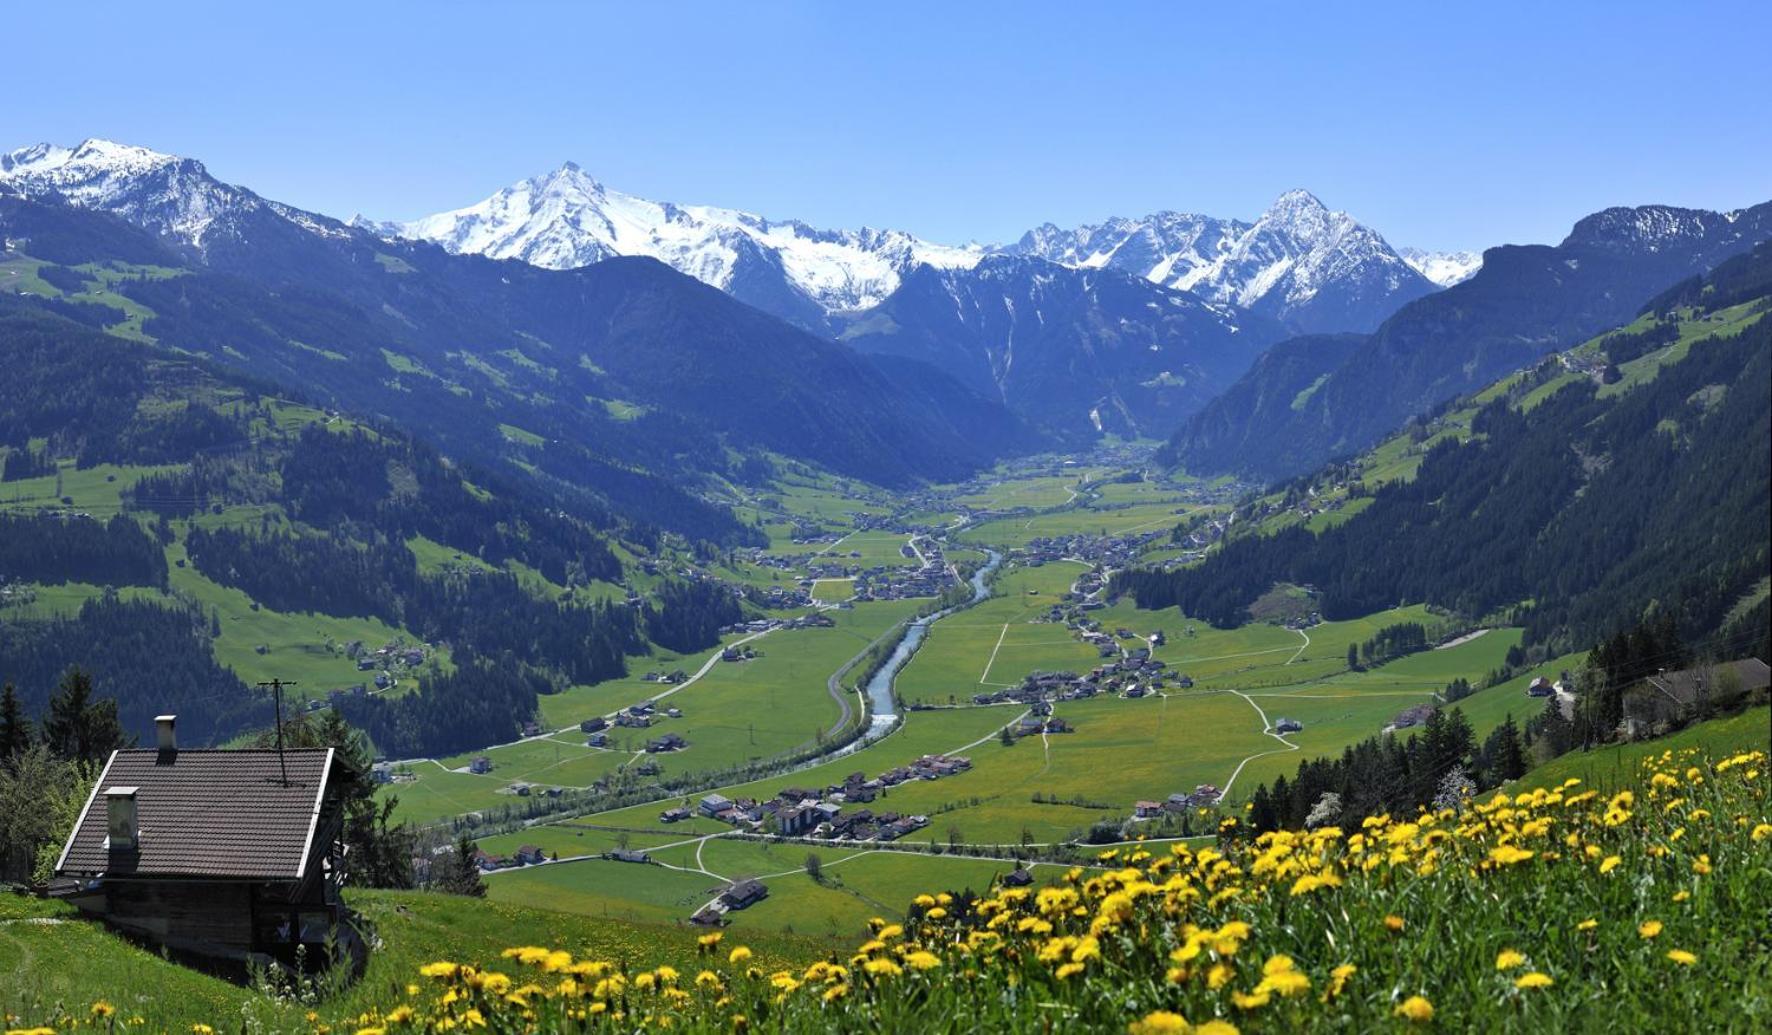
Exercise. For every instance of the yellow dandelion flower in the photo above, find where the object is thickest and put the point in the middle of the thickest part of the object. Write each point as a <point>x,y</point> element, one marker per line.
<point>1682,957</point>
<point>1587,925</point>
<point>1535,979</point>
<point>1416,1008</point>
<point>923,960</point>
<point>1250,1000</point>
<point>1218,976</point>
<point>440,969</point>
<point>1649,928</point>
<point>102,1009</point>
<point>739,955</point>
<point>1069,970</point>
<point>1159,1022</point>
<point>1393,923</point>
<point>1215,1027</point>
<point>1508,959</point>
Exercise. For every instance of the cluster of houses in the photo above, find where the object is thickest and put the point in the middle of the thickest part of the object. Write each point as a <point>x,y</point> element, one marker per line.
<point>828,814</point>
<point>634,717</point>
<point>1204,796</point>
<point>387,655</point>
<point>932,579</point>
<point>815,620</point>
<point>1112,551</point>
<point>778,598</point>
<point>528,855</point>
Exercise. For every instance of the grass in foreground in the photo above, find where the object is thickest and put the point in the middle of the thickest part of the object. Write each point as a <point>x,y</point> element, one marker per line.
<point>1555,909</point>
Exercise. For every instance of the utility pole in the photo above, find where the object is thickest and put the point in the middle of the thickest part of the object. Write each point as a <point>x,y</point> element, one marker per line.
<point>276,686</point>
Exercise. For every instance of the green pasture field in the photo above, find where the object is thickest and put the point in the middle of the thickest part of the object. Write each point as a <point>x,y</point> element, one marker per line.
<point>1038,492</point>
<point>1608,767</point>
<point>75,961</point>
<point>1016,531</point>
<point>306,648</point>
<point>1645,368</point>
<point>960,730</point>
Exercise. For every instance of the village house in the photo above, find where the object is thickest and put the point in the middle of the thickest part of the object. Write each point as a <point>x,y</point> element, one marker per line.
<point>668,742</point>
<point>226,855</point>
<point>481,765</point>
<point>743,894</point>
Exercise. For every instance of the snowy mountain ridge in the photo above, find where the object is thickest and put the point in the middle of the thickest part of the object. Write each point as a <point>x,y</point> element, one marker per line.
<point>1300,263</point>
<point>566,219</point>
<point>1280,263</point>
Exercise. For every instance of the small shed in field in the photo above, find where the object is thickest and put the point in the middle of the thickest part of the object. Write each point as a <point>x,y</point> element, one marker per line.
<point>230,855</point>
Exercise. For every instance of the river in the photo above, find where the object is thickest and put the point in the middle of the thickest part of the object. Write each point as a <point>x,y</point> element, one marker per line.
<point>881,706</point>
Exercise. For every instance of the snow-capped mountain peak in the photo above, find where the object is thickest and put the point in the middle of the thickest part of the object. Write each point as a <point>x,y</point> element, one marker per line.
<point>1314,268</point>
<point>162,192</point>
<point>567,218</point>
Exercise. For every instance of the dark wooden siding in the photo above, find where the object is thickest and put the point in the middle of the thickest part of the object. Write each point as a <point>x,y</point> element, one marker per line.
<point>214,913</point>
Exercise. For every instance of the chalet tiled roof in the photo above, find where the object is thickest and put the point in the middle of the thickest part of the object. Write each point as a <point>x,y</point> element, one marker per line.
<point>206,814</point>
<point>1687,685</point>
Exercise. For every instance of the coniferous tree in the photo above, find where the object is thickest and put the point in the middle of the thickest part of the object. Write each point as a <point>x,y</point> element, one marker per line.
<point>78,728</point>
<point>15,729</point>
<point>460,874</point>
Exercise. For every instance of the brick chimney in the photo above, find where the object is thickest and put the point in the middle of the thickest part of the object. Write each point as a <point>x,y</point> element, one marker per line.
<point>163,725</point>
<point>121,819</point>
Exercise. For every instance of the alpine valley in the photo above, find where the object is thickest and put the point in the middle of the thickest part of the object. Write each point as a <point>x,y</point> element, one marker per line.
<point>1167,623</point>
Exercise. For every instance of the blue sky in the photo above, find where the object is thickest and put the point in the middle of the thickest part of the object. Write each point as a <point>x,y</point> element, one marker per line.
<point>1441,125</point>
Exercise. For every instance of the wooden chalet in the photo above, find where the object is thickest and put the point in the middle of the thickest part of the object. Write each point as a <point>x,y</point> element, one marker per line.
<point>232,856</point>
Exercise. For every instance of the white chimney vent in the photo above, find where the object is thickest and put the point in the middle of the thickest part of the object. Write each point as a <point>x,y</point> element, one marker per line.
<point>120,819</point>
<point>163,724</point>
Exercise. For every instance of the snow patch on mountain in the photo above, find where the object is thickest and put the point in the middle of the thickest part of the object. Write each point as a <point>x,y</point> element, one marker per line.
<point>1443,268</point>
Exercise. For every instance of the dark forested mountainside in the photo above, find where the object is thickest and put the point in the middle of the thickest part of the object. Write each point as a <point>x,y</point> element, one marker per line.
<point>1578,513</point>
<point>1281,382</point>
<point>302,512</point>
<point>628,364</point>
<point>1076,351</point>
<point>1526,302</point>
<point>153,657</point>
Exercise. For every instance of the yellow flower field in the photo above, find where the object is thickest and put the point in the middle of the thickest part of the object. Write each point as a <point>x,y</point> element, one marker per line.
<point>1559,908</point>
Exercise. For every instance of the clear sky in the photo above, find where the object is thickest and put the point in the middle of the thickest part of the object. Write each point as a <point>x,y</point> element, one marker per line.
<point>1442,125</point>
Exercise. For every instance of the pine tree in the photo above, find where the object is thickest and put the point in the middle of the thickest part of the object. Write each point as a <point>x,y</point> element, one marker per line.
<point>78,728</point>
<point>15,729</point>
<point>461,875</point>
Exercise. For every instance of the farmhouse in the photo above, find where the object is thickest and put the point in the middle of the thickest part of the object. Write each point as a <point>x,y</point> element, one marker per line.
<point>227,855</point>
<point>744,893</point>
